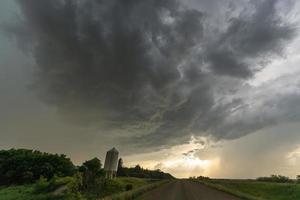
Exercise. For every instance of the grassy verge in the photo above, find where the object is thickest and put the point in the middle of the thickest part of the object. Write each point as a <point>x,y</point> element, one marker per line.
<point>45,190</point>
<point>135,182</point>
<point>25,192</point>
<point>117,186</point>
<point>133,194</point>
<point>254,190</point>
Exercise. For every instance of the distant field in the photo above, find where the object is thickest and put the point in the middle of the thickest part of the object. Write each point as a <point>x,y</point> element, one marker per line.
<point>254,190</point>
<point>27,192</point>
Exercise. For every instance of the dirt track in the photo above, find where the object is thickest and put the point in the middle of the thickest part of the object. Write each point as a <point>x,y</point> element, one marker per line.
<point>186,190</point>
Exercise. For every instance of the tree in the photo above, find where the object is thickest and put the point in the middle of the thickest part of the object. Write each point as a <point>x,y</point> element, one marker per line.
<point>139,172</point>
<point>121,170</point>
<point>92,173</point>
<point>18,166</point>
<point>120,163</point>
<point>93,165</point>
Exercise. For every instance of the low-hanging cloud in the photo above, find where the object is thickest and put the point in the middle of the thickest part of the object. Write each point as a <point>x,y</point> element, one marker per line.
<point>147,66</point>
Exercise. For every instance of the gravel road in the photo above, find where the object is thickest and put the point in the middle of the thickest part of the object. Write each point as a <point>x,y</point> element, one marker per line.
<point>186,190</point>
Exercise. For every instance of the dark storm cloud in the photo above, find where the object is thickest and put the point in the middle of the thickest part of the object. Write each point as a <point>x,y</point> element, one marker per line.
<point>143,63</point>
<point>249,39</point>
<point>113,56</point>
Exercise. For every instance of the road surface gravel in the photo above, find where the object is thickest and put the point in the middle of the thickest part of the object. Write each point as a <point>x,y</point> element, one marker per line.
<point>186,190</point>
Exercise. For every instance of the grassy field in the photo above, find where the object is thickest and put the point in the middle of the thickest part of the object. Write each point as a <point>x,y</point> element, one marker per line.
<point>27,192</point>
<point>254,190</point>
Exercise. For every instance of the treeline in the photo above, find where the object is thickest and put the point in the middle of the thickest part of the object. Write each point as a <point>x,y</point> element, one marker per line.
<point>204,178</point>
<point>273,179</point>
<point>21,166</point>
<point>139,172</point>
<point>277,179</point>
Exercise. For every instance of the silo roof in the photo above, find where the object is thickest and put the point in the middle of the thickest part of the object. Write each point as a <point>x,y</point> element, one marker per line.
<point>114,149</point>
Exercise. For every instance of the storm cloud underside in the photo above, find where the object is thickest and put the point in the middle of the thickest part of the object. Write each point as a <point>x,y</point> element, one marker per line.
<point>157,68</point>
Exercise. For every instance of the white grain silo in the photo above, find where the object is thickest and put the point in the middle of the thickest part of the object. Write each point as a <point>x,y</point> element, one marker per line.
<point>111,163</point>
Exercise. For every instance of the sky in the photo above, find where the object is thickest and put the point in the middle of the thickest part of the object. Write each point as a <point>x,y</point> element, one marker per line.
<point>192,87</point>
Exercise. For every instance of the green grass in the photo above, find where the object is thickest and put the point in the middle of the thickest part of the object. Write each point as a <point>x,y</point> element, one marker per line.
<point>25,192</point>
<point>254,190</point>
<point>137,192</point>
<point>117,186</point>
<point>28,192</point>
<point>136,182</point>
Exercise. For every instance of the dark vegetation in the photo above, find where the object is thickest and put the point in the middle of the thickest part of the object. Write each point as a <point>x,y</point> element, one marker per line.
<point>199,178</point>
<point>53,176</point>
<point>19,166</point>
<point>139,172</point>
<point>275,179</point>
